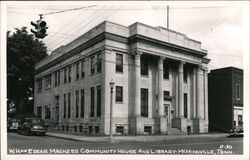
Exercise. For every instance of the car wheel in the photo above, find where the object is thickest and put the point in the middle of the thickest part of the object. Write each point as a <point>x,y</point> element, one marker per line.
<point>29,132</point>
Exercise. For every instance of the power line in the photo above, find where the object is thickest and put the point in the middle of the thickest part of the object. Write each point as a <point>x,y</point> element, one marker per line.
<point>88,22</point>
<point>73,9</point>
<point>67,23</point>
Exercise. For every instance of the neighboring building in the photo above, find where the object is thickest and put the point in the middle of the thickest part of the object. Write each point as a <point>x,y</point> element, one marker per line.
<point>160,82</point>
<point>225,92</point>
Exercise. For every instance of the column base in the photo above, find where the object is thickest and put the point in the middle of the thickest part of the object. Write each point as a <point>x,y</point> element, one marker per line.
<point>180,123</point>
<point>200,126</point>
<point>136,125</point>
<point>162,123</point>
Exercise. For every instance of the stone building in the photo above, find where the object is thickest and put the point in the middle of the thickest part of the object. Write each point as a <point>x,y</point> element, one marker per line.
<point>225,90</point>
<point>160,81</point>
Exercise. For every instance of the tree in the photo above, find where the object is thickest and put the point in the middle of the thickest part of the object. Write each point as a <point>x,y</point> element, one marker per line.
<point>23,52</point>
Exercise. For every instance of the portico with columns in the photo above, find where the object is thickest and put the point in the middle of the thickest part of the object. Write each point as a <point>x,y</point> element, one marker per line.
<point>189,112</point>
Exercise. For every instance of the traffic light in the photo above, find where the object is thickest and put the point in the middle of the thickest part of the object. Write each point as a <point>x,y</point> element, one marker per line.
<point>40,27</point>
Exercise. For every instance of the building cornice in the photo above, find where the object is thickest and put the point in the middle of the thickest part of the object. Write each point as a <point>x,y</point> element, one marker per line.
<point>138,37</point>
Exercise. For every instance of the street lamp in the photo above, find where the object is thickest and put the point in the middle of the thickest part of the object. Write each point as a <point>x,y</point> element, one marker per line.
<point>111,84</point>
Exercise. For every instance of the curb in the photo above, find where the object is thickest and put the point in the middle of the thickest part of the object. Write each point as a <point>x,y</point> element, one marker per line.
<point>106,139</point>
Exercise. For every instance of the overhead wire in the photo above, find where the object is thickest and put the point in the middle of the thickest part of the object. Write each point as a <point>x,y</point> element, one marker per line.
<point>86,23</point>
<point>68,23</point>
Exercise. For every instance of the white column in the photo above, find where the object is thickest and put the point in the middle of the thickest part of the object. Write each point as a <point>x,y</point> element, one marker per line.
<point>160,86</point>
<point>206,94</point>
<point>180,91</point>
<point>194,94</point>
<point>137,55</point>
<point>200,94</point>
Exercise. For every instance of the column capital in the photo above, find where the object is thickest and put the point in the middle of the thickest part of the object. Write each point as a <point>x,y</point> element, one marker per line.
<point>161,58</point>
<point>182,62</point>
<point>136,52</point>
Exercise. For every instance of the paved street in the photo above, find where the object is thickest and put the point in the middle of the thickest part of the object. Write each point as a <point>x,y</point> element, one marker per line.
<point>49,145</point>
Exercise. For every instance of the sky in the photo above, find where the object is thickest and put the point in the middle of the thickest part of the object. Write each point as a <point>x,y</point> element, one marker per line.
<point>221,27</point>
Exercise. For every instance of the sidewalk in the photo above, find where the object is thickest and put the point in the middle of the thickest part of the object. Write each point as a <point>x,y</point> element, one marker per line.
<point>133,138</point>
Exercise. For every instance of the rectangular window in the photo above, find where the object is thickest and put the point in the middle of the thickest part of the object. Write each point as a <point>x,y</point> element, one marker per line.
<point>99,101</point>
<point>144,102</point>
<point>77,71</point>
<point>118,93</point>
<point>166,95</point>
<point>82,102</point>
<point>39,85</point>
<point>185,75</point>
<point>99,63</point>
<point>92,65</point>
<point>119,63</point>
<point>92,101</point>
<point>69,105</point>
<point>47,112</point>
<point>237,91</point>
<point>144,67</point>
<point>185,105</point>
<point>39,111</point>
<point>48,81</point>
<point>65,75</point>
<point>64,105</point>
<point>57,78</point>
<point>69,74</point>
<point>165,70</point>
<point>77,104</point>
<point>82,69</point>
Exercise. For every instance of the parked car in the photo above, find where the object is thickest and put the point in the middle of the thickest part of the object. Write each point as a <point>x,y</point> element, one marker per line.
<point>31,126</point>
<point>237,132</point>
<point>12,124</point>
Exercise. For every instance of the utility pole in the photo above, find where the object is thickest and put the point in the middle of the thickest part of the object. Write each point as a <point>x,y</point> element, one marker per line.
<point>168,17</point>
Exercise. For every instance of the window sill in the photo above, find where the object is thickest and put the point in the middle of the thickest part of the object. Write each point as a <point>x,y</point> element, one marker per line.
<point>119,72</point>
<point>144,76</point>
<point>119,102</point>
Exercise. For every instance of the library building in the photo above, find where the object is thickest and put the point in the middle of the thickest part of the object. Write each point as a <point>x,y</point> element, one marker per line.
<point>144,79</point>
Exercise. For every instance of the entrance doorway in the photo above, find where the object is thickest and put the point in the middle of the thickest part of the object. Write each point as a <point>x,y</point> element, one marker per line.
<point>168,115</point>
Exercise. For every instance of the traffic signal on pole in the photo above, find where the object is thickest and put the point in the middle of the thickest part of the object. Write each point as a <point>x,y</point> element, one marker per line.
<point>40,28</point>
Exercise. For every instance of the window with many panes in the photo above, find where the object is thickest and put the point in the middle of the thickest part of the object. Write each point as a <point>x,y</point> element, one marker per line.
<point>119,63</point>
<point>166,95</point>
<point>82,69</point>
<point>64,105</point>
<point>144,67</point>
<point>185,75</point>
<point>118,93</point>
<point>77,70</point>
<point>92,65</point>
<point>57,77</point>
<point>144,102</point>
<point>165,70</point>
<point>48,81</point>
<point>77,104</point>
<point>39,85</point>
<point>65,75</point>
<point>185,105</point>
<point>92,101</point>
<point>69,74</point>
<point>99,63</point>
<point>69,105</point>
<point>237,91</point>
<point>99,101</point>
<point>82,102</point>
